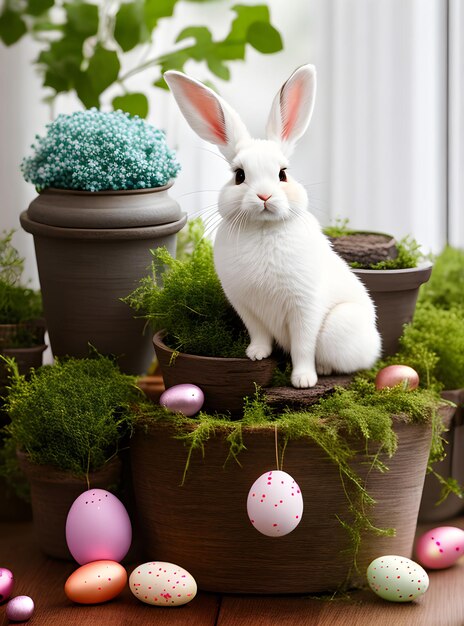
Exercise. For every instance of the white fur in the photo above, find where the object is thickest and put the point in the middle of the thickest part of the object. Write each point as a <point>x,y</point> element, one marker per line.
<point>276,266</point>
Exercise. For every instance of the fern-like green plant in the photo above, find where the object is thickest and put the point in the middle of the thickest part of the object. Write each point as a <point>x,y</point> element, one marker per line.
<point>71,415</point>
<point>445,287</point>
<point>185,298</point>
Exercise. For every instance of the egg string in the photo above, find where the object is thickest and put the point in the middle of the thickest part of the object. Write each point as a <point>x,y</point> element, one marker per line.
<point>276,446</point>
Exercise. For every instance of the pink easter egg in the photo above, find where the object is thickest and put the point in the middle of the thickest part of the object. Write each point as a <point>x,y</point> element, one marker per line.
<point>98,527</point>
<point>393,375</point>
<point>440,547</point>
<point>20,609</point>
<point>275,504</point>
<point>186,398</point>
<point>6,583</point>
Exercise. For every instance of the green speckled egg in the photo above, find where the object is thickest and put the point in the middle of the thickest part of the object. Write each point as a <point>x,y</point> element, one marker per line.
<point>397,579</point>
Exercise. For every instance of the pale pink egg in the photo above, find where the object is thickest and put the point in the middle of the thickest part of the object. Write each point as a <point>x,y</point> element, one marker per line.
<point>186,398</point>
<point>275,504</point>
<point>6,583</point>
<point>96,582</point>
<point>393,375</point>
<point>440,547</point>
<point>20,609</point>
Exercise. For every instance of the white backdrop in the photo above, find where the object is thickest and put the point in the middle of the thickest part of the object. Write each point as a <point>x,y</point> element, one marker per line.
<point>385,143</point>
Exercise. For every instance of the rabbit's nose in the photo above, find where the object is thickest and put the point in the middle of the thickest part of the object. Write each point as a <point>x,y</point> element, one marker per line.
<point>261,196</point>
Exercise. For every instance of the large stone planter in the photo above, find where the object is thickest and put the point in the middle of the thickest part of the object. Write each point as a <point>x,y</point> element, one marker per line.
<point>394,293</point>
<point>224,381</point>
<point>203,525</point>
<point>92,249</point>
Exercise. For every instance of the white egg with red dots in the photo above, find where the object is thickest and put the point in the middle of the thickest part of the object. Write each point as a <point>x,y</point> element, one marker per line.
<point>275,504</point>
<point>397,579</point>
<point>162,584</point>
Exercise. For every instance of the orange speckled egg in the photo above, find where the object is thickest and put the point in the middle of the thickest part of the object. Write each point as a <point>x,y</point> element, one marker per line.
<point>96,582</point>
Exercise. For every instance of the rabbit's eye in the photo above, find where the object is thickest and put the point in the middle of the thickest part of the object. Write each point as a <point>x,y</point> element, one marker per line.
<point>239,176</point>
<point>283,176</point>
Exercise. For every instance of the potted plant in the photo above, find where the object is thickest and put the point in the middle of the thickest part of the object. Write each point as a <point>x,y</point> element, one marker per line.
<point>193,509</point>
<point>434,344</point>
<point>391,271</point>
<point>21,327</point>
<point>103,181</point>
<point>198,338</point>
<point>68,423</point>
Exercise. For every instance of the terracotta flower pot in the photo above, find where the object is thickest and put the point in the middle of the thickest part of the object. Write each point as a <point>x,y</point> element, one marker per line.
<point>92,249</point>
<point>225,382</point>
<point>452,466</point>
<point>204,524</point>
<point>52,494</point>
<point>394,293</point>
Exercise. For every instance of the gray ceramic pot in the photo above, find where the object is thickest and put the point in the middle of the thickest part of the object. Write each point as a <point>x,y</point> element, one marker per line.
<point>394,293</point>
<point>92,249</point>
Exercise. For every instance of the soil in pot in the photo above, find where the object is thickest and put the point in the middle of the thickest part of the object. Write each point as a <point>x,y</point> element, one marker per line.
<point>224,381</point>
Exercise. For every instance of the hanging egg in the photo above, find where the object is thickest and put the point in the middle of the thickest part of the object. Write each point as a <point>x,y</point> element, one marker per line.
<point>186,398</point>
<point>6,583</point>
<point>275,504</point>
<point>162,584</point>
<point>393,375</point>
<point>96,582</point>
<point>20,609</point>
<point>440,547</point>
<point>397,579</point>
<point>98,527</point>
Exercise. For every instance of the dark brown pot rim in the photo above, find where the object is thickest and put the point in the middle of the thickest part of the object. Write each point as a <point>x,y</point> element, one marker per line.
<point>107,192</point>
<point>159,343</point>
<point>49,473</point>
<point>38,348</point>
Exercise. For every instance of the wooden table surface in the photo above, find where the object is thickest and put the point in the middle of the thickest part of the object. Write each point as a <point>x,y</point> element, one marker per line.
<point>43,579</point>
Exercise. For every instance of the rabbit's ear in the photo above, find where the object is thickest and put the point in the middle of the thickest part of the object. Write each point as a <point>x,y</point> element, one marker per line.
<point>208,114</point>
<point>292,108</point>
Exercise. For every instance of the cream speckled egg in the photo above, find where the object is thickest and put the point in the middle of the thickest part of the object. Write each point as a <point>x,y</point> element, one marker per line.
<point>397,579</point>
<point>275,504</point>
<point>162,584</point>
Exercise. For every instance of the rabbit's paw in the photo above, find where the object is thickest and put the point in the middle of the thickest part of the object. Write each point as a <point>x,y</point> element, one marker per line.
<point>257,352</point>
<point>304,379</point>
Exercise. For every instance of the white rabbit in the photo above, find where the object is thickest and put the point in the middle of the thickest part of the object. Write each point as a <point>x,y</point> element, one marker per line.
<point>276,266</point>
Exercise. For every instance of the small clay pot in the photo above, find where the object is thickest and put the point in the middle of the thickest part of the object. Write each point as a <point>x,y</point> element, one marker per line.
<point>224,381</point>
<point>52,494</point>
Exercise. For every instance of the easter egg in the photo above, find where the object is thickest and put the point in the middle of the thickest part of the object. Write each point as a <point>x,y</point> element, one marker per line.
<point>393,375</point>
<point>20,609</point>
<point>96,582</point>
<point>98,527</point>
<point>162,584</point>
<point>6,583</point>
<point>275,504</point>
<point>397,579</point>
<point>187,399</point>
<point>440,547</point>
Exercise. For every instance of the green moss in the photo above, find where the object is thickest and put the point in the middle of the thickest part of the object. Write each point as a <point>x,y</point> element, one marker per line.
<point>71,415</point>
<point>409,255</point>
<point>184,297</point>
<point>433,344</point>
<point>445,287</point>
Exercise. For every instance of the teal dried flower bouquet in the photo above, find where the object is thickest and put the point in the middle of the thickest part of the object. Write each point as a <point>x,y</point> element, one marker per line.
<point>93,151</point>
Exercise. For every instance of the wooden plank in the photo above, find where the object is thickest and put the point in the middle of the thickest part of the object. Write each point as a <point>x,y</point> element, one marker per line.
<point>43,580</point>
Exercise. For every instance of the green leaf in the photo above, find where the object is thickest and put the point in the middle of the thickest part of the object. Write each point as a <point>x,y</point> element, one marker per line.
<point>85,90</point>
<point>56,81</point>
<point>103,69</point>
<point>203,39</point>
<point>155,10</point>
<point>82,18</point>
<point>233,46</point>
<point>217,67</point>
<point>37,7</point>
<point>129,28</point>
<point>133,103</point>
<point>264,37</point>
<point>12,27</point>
